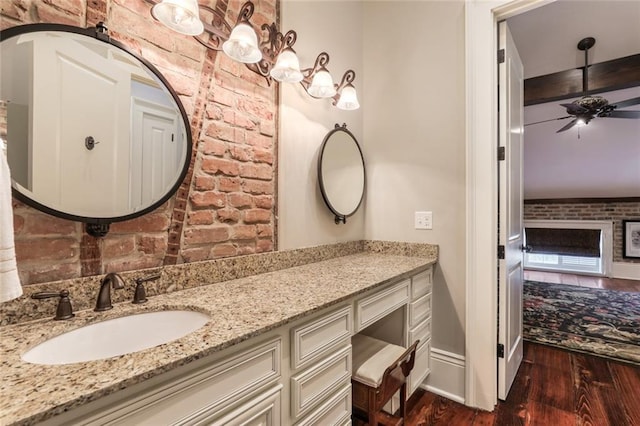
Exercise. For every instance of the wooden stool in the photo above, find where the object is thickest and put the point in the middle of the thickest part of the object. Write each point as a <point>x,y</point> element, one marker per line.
<point>380,369</point>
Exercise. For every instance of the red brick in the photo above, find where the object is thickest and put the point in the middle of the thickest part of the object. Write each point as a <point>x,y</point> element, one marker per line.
<point>213,112</point>
<point>224,250</point>
<point>214,165</point>
<point>208,199</point>
<point>196,254</point>
<point>72,7</point>
<point>264,246</point>
<point>256,107</point>
<point>132,264</point>
<point>47,249</point>
<point>18,223</point>
<point>206,235</point>
<point>44,272</point>
<point>200,217</point>
<point>228,215</point>
<point>49,225</point>
<point>267,127</point>
<point>204,182</point>
<point>256,171</point>
<point>244,232</point>
<point>213,147</point>
<point>258,140</point>
<point>257,187</point>
<point>148,223</point>
<point>118,246</point>
<point>257,216</point>
<point>264,230</point>
<point>49,14</point>
<point>246,248</point>
<point>262,156</point>
<point>223,96</point>
<point>241,153</point>
<point>153,244</point>
<point>240,200</point>
<point>263,201</point>
<point>228,184</point>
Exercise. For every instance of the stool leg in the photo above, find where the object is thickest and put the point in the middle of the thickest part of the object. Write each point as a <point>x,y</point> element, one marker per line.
<point>403,398</point>
<point>373,408</point>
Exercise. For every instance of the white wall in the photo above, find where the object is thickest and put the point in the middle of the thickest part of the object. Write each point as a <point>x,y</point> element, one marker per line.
<point>303,218</point>
<point>412,130</point>
<point>414,103</point>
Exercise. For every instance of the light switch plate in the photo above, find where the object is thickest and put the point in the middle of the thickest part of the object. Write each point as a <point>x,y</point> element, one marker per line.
<point>424,220</point>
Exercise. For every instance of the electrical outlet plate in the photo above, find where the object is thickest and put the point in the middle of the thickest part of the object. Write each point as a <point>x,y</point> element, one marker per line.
<point>424,220</point>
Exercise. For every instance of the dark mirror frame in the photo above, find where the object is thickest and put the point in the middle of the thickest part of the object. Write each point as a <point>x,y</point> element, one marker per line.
<point>340,216</point>
<point>99,226</point>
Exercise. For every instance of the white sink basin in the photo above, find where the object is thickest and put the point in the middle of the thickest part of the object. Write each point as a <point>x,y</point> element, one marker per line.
<point>116,337</point>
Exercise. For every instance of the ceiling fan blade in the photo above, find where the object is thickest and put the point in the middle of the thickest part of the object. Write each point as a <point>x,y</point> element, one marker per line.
<point>551,119</point>
<point>624,114</point>
<point>574,108</point>
<point>568,125</point>
<point>628,102</point>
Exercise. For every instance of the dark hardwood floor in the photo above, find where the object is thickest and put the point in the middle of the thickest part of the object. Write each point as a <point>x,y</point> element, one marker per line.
<point>553,387</point>
<point>618,284</point>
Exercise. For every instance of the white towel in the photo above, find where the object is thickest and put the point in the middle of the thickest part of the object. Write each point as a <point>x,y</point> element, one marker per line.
<point>10,287</point>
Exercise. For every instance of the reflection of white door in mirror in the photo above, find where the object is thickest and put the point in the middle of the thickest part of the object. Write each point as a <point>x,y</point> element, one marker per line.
<point>157,156</point>
<point>64,172</point>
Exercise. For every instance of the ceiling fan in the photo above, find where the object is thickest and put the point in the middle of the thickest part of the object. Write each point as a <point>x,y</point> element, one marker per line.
<point>588,107</point>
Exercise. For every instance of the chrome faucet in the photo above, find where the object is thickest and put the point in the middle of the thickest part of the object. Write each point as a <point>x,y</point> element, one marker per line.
<point>104,295</point>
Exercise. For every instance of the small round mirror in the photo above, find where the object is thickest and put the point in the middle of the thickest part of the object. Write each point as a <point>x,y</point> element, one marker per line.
<point>341,173</point>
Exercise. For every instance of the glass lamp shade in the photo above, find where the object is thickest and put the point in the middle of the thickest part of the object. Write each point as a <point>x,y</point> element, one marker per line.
<point>322,85</point>
<point>243,44</point>
<point>287,67</point>
<point>348,98</point>
<point>179,15</point>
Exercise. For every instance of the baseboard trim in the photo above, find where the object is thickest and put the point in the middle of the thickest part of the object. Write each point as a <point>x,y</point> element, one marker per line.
<point>447,376</point>
<point>626,270</point>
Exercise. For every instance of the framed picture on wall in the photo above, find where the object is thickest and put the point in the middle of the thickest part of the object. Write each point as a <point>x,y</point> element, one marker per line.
<point>631,239</point>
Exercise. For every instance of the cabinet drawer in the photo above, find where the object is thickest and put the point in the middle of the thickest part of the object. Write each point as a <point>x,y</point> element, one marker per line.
<point>319,381</point>
<point>421,284</point>
<point>422,331</point>
<point>378,305</point>
<point>319,337</point>
<point>335,411</point>
<point>419,310</point>
<point>263,410</point>
<point>421,368</point>
<point>205,392</point>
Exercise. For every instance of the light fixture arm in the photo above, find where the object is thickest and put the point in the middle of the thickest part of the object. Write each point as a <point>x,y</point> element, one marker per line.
<point>347,79</point>
<point>321,63</point>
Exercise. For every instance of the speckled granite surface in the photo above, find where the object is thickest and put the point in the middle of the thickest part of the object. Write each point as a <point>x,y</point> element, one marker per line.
<point>30,393</point>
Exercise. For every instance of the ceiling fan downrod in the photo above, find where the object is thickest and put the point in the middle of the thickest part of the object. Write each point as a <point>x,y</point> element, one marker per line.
<point>586,44</point>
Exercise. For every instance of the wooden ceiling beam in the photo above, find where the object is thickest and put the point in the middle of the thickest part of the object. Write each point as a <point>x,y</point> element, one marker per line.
<point>606,76</point>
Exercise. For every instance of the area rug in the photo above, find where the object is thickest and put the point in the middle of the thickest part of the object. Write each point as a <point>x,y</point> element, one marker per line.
<point>595,321</point>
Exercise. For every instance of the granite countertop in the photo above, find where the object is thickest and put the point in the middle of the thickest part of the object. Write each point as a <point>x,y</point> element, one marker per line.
<point>239,309</point>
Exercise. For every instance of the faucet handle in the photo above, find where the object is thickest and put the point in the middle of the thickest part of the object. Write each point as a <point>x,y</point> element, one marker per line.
<point>140,295</point>
<point>64,309</point>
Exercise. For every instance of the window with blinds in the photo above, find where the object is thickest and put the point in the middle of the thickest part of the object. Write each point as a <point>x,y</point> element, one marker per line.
<point>565,250</point>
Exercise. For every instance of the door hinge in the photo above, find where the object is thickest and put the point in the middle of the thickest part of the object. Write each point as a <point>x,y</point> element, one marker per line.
<point>500,56</point>
<point>500,252</point>
<point>500,350</point>
<point>172,136</point>
<point>501,153</point>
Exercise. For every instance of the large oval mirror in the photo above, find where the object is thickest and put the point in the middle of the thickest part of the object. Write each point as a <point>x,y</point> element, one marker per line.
<point>94,133</point>
<point>341,173</point>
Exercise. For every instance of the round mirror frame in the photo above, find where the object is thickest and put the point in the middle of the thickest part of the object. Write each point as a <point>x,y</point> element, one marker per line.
<point>99,226</point>
<point>340,216</point>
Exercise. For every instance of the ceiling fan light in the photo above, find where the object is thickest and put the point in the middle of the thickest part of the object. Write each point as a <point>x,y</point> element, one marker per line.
<point>180,15</point>
<point>322,85</point>
<point>243,44</point>
<point>287,67</point>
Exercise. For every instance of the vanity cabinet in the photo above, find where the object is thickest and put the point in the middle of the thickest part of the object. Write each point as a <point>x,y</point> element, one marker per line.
<point>296,374</point>
<point>321,367</point>
<point>420,327</point>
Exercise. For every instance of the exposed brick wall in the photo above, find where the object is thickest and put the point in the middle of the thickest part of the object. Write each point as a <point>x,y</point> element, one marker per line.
<point>613,211</point>
<point>225,206</point>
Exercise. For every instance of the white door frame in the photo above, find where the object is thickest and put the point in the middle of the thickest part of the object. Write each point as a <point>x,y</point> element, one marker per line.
<point>481,68</point>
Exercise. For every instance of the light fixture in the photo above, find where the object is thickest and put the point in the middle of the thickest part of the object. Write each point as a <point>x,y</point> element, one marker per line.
<point>179,15</point>
<point>273,58</point>
<point>321,85</point>
<point>347,97</point>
